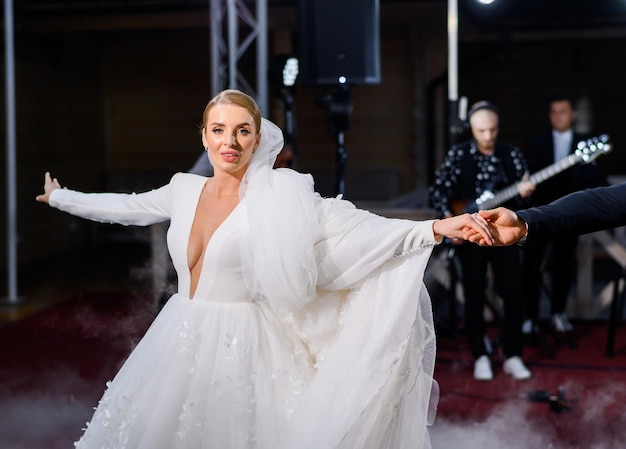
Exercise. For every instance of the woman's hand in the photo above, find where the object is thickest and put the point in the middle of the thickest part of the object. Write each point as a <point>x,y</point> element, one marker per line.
<point>459,226</point>
<point>505,225</point>
<point>49,186</point>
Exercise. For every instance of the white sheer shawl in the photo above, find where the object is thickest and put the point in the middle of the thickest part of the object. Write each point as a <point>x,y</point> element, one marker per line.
<point>279,260</point>
<point>351,284</point>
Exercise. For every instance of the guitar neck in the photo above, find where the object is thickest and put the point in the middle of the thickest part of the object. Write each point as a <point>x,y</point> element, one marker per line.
<point>542,175</point>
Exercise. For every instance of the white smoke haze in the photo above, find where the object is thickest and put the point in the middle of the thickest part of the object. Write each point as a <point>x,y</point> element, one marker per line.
<point>504,428</point>
<point>54,417</point>
<point>42,422</point>
<point>597,422</point>
<point>50,418</point>
<point>597,431</point>
<point>48,408</point>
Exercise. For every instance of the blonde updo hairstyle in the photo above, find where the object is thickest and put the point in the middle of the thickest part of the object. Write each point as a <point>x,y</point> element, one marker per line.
<point>236,98</point>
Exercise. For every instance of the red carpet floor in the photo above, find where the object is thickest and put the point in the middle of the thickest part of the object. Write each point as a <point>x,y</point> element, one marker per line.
<point>55,364</point>
<point>501,414</point>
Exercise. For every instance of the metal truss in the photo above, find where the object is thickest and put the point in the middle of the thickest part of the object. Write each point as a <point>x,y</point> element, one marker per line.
<point>237,26</point>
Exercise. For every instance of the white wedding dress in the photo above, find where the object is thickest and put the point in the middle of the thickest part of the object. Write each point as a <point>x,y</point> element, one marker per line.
<point>222,370</point>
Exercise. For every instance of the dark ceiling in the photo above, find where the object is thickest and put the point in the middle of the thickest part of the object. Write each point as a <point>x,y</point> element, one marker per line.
<point>502,15</point>
<point>546,15</point>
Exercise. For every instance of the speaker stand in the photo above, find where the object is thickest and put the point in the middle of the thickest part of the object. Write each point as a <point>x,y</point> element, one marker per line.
<point>341,159</point>
<point>339,108</point>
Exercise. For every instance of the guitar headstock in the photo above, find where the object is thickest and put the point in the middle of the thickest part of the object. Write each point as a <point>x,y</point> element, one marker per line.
<point>593,147</point>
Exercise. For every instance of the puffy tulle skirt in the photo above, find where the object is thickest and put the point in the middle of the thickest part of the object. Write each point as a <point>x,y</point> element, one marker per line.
<point>240,375</point>
<point>206,375</point>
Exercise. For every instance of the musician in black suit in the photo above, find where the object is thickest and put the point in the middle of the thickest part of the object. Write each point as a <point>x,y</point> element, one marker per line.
<point>578,213</point>
<point>547,148</point>
<point>469,169</point>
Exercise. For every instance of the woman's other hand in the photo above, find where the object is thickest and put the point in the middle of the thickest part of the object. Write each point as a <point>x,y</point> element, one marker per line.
<point>50,185</point>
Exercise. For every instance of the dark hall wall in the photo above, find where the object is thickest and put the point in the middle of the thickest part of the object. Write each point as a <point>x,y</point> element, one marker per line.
<point>521,76</point>
<point>118,107</point>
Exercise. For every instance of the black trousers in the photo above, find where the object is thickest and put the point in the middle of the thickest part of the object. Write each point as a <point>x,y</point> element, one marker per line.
<point>560,266</point>
<point>506,267</point>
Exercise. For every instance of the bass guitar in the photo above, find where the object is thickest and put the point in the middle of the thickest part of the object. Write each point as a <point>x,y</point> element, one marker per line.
<point>586,151</point>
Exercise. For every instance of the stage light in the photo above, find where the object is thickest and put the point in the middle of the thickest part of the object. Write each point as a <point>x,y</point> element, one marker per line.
<point>282,76</point>
<point>485,2</point>
<point>290,71</point>
<point>283,73</point>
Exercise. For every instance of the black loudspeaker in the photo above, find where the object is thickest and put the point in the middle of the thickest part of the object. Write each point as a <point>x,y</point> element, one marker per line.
<point>340,42</point>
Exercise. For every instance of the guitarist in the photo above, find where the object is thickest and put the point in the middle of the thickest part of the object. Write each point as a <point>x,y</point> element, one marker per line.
<point>468,170</point>
<point>547,148</point>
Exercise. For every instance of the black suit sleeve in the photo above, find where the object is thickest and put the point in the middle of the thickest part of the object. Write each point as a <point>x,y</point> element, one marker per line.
<point>577,213</point>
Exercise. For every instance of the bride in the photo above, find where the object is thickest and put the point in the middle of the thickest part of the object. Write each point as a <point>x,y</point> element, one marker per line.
<point>299,321</point>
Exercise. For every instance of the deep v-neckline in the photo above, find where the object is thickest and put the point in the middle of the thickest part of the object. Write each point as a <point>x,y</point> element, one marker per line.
<point>207,245</point>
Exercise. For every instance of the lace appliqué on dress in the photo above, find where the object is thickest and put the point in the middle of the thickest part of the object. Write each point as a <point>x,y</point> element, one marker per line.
<point>116,416</point>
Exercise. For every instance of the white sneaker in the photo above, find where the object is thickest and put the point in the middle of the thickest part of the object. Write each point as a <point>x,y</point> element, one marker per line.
<point>482,368</point>
<point>528,326</point>
<point>561,323</point>
<point>516,368</point>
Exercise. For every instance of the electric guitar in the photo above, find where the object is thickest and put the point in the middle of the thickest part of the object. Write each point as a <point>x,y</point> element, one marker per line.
<point>586,152</point>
